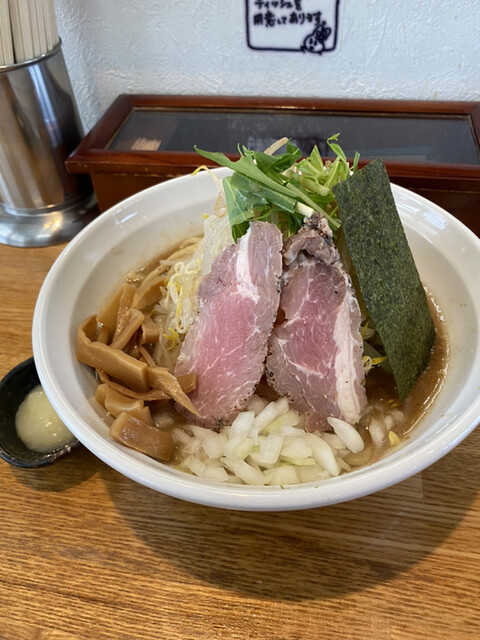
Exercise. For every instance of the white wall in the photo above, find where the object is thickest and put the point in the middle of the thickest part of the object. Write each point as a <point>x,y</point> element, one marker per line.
<point>400,49</point>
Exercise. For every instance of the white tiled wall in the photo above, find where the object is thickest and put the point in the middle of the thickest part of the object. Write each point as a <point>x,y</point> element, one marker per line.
<point>401,49</point>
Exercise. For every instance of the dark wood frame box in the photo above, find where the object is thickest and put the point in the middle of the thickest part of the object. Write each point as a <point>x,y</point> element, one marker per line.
<point>432,148</point>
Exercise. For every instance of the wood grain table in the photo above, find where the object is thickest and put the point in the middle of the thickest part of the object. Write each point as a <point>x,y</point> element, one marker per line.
<point>87,553</point>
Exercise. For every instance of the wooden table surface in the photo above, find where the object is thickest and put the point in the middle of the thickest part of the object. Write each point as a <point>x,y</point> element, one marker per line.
<point>88,553</point>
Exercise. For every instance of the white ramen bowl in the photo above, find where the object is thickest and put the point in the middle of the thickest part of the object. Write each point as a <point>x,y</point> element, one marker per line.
<point>153,221</point>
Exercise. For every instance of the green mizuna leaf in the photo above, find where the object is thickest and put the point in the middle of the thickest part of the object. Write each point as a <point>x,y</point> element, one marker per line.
<point>281,187</point>
<point>387,275</point>
<point>247,167</point>
<point>245,202</point>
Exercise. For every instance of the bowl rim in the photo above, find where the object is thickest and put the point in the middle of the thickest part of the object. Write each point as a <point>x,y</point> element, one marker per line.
<point>382,474</point>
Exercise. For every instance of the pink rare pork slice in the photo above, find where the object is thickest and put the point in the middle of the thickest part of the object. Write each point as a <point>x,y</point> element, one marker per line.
<point>226,346</point>
<point>315,350</point>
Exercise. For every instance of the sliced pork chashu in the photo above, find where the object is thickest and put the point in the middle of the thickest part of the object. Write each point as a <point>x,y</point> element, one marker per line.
<point>226,346</point>
<point>315,351</point>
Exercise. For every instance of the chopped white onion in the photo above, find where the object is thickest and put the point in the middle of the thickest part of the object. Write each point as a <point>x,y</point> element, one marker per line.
<point>378,432</point>
<point>333,440</point>
<point>299,462</point>
<point>214,444</point>
<point>344,465</point>
<point>195,465</point>
<point>242,424</point>
<point>198,432</point>
<point>256,404</point>
<point>238,447</point>
<point>291,431</point>
<point>215,473</point>
<point>284,421</point>
<point>271,411</point>
<point>193,446</point>
<point>270,448</point>
<point>398,416</point>
<point>323,454</point>
<point>244,471</point>
<point>283,476</point>
<point>347,434</point>
<point>312,473</point>
<point>180,435</point>
<point>294,447</point>
<point>267,444</point>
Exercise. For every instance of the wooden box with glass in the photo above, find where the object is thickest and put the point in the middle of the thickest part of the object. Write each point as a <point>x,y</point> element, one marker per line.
<point>432,148</point>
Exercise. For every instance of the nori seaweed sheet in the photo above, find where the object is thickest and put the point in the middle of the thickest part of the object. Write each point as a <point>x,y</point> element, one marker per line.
<point>387,275</point>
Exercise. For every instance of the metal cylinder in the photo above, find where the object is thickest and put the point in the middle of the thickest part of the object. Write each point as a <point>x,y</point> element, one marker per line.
<point>40,202</point>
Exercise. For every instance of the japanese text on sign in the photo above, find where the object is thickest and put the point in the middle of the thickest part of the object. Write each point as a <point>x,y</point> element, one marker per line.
<point>309,26</point>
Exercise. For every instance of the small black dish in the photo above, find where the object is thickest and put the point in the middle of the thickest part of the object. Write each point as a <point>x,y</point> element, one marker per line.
<point>13,389</point>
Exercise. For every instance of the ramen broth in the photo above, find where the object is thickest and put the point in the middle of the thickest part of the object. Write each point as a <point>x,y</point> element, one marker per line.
<point>381,392</point>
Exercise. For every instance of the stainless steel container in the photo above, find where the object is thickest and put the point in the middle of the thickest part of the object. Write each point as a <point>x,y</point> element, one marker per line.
<point>40,203</point>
